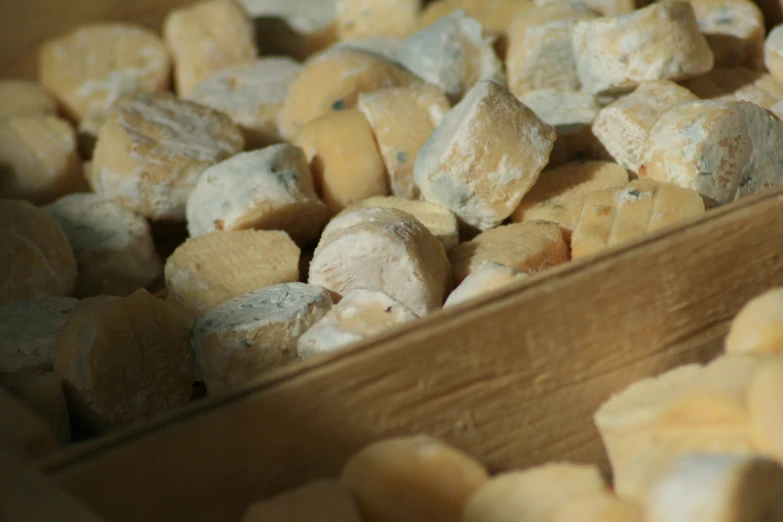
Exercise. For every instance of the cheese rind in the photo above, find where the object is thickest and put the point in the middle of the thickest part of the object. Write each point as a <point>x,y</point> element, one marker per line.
<point>323,501</point>
<point>41,392</point>
<point>758,326</point>
<point>24,98</point>
<point>488,277</point>
<point>734,29</point>
<point>362,18</point>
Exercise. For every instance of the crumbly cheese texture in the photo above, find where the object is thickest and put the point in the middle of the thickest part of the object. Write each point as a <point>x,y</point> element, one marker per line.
<point>90,67</point>
<point>657,42</point>
<point>386,250</point>
<point>725,150</point>
<point>39,159</point>
<point>322,501</point>
<point>115,253</point>
<point>402,119</point>
<point>758,326</point>
<point>269,189</point>
<point>252,94</point>
<point>206,37</point>
<point>415,479</point>
<point>735,31</point>
<point>773,52</point>
<point>24,98</point>
<point>36,259</point>
<point>484,157</point>
<point>487,278</point>
<point>737,83</point>
<point>42,393</point>
<point>236,341</point>
<point>153,148</point>
<point>124,360</point>
<point>560,194</point>
<point>526,247</point>
<point>360,314</point>
<point>344,159</point>
<point>600,506</point>
<point>362,18</point>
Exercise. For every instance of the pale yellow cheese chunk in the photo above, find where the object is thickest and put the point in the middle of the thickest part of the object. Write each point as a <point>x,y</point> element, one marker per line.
<point>415,479</point>
<point>758,326</point>
<point>487,278</point>
<point>42,393</point>
<point>24,98</point>
<point>494,15</point>
<point>773,52</point>
<point>362,18</point>
<point>734,29</point>
<point>319,501</point>
<point>737,83</point>
<point>766,417</point>
<point>386,46</point>
<point>599,507</point>
<point>604,7</point>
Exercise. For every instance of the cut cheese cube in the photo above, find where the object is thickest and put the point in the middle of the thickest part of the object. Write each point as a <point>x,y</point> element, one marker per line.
<point>402,119</point>
<point>123,360</point>
<point>36,259</point>
<point>236,341</point>
<point>42,392</point>
<point>344,159</point>
<point>415,479</point>
<point>90,67</point>
<point>615,216</point>
<point>599,507</point>
<point>487,278</point>
<point>453,54</point>
<point>560,194</point>
<point>153,148</point>
<point>657,42</point>
<point>773,52</point>
<point>359,315</point>
<point>526,247</point>
<point>206,37</point>
<point>623,125</point>
<point>734,29</point>
<point>114,250</point>
<point>758,326</point>
<point>737,83</point>
<point>211,269</point>
<point>252,94</point>
<point>766,416</point>
<point>24,98</point>
<point>386,250</point>
<point>362,18</point>
<point>484,157</point>
<point>725,150</point>
<point>386,46</point>
<point>270,189</point>
<point>320,501</point>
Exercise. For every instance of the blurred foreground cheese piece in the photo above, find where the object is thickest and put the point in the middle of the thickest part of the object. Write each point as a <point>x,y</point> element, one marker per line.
<point>269,189</point>
<point>206,37</point>
<point>42,393</point>
<point>211,269</point>
<point>402,119</point>
<point>560,194</point>
<point>494,15</point>
<point>320,501</point>
<point>723,149</point>
<point>758,326</point>
<point>90,67</point>
<point>535,494</point>
<point>236,341</point>
<point>383,249</point>
<point>734,29</point>
<point>24,98</point>
<point>415,479</point>
<point>526,247</point>
<point>484,157</point>
<point>363,18</point>
<point>601,506</point>
<point>773,52</point>
<point>359,315</point>
<point>114,250</point>
<point>766,415</point>
<point>252,94</point>
<point>124,360</point>
<point>737,83</point>
<point>386,46</point>
<point>658,42</point>
<point>36,259</point>
<point>487,278</point>
<point>153,148</point>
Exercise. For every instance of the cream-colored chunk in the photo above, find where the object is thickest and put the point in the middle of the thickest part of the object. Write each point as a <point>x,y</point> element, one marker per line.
<point>601,506</point>
<point>758,326</point>
<point>386,46</point>
<point>320,501</point>
<point>737,83</point>
<point>494,15</point>
<point>766,416</point>
<point>773,52</point>
<point>487,278</point>
<point>42,393</point>
<point>734,29</point>
<point>24,98</point>
<point>362,18</point>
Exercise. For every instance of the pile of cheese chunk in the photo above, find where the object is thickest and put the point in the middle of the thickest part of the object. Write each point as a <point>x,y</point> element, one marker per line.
<point>342,168</point>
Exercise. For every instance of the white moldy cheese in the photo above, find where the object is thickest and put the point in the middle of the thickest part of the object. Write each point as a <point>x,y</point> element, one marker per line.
<point>773,52</point>
<point>737,83</point>
<point>24,98</point>
<point>363,18</point>
<point>723,149</point>
<point>453,54</point>
<point>359,315</point>
<point>758,326</point>
<point>42,393</point>
<point>153,148</point>
<point>734,29</point>
<point>487,278</point>
<point>484,157</point>
<point>321,501</point>
<point>658,42</point>
<point>386,250</point>
<point>236,341</point>
<point>270,189</point>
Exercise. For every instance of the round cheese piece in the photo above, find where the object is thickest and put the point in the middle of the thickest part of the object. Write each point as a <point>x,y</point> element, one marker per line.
<point>758,326</point>
<point>24,98</point>
<point>323,501</point>
<point>773,52</point>
<point>362,18</point>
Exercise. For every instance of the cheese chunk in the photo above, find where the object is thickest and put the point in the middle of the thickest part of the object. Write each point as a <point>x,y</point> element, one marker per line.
<point>24,98</point>
<point>36,259</point>
<point>766,417</point>
<point>599,507</point>
<point>402,119</point>
<point>270,189</point>
<point>252,94</point>
<point>758,326</point>
<point>344,159</point>
<point>359,315</point>
<point>333,80</point>
<point>494,15</point>
<point>236,341</point>
<point>90,67</point>
<point>487,278</point>
<point>415,479</point>
<point>386,46</point>
<point>320,501</point>
<point>213,268</point>
<point>614,216</point>
<point>737,83</point>
<point>386,250</point>
<point>42,393</point>
<point>623,125</point>
<point>526,247</point>
<point>560,194</point>
<point>734,29</point>
<point>484,157</point>
<point>605,7</point>
<point>658,42</point>
<point>123,360</point>
<point>725,150</point>
<point>363,18</point>
<point>438,220</point>
<point>153,148</point>
<point>535,494</point>
<point>206,37</point>
<point>773,52</point>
